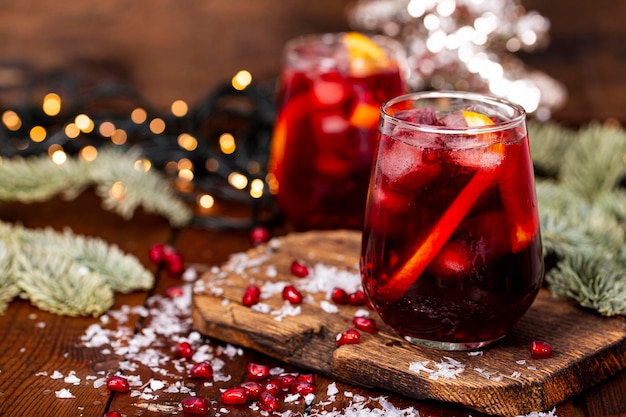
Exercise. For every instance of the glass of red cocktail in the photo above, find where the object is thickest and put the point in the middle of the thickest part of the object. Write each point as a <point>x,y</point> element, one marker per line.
<point>329,97</point>
<point>451,255</point>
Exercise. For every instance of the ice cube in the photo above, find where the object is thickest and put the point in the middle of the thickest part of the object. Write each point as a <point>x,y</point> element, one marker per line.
<point>420,116</point>
<point>482,156</point>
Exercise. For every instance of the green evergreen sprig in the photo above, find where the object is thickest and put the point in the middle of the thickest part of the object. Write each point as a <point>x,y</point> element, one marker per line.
<point>38,178</point>
<point>65,273</point>
<point>582,208</point>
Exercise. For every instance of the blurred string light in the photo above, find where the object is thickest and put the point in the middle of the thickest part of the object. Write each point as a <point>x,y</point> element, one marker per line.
<point>214,152</point>
<point>467,45</point>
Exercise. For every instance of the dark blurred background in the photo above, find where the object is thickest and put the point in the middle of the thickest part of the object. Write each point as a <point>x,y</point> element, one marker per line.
<point>168,49</point>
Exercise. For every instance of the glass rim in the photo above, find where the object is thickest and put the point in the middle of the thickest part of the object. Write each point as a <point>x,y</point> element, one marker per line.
<point>519,114</point>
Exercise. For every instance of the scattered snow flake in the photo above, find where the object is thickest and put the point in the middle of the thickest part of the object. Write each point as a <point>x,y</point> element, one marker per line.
<point>56,375</point>
<point>329,307</point>
<point>516,374</point>
<point>448,368</point>
<point>64,393</point>
<point>262,308</point>
<point>72,378</point>
<point>100,382</point>
<point>532,368</point>
<point>551,413</point>
<point>42,373</point>
<point>291,398</point>
<point>361,312</point>
<point>277,370</point>
<point>156,384</point>
<point>475,353</point>
<point>287,310</point>
<point>225,302</point>
<point>521,362</point>
<point>332,389</point>
<point>41,325</point>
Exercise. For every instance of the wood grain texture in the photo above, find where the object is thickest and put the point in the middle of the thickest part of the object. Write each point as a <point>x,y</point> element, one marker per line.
<point>502,380</point>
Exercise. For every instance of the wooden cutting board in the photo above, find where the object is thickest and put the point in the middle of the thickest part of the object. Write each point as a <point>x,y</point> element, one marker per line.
<point>501,379</point>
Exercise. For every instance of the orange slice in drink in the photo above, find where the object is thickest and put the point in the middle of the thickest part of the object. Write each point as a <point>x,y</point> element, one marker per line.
<point>474,119</point>
<point>365,55</point>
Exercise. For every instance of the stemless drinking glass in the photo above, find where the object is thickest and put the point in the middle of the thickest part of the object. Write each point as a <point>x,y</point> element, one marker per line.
<point>330,93</point>
<point>451,254</point>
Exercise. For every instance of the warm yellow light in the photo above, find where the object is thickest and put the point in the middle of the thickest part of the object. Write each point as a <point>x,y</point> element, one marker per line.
<point>11,120</point>
<point>119,137</point>
<point>51,104</point>
<point>171,167</point>
<point>84,123</point>
<point>118,191</point>
<point>179,108</point>
<point>138,116</point>
<point>256,188</point>
<point>212,165</point>
<point>185,174</point>
<point>227,143</point>
<point>272,183</point>
<point>88,153</point>
<point>143,165</point>
<point>72,131</point>
<point>106,129</point>
<point>38,134</point>
<point>205,201</point>
<point>157,126</point>
<point>237,180</point>
<point>185,163</point>
<point>187,142</point>
<point>241,80</point>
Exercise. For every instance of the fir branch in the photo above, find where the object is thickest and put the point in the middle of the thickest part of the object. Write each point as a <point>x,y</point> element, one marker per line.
<point>38,179</point>
<point>547,141</point>
<point>8,287</point>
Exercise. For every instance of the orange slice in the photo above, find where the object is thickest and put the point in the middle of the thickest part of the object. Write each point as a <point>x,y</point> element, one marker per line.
<point>365,116</point>
<point>365,55</point>
<point>474,119</point>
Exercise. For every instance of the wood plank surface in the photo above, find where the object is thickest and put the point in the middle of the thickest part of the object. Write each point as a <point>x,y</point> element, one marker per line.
<point>502,379</point>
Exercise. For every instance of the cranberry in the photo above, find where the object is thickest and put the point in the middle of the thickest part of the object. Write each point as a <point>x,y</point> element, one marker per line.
<point>174,291</point>
<point>299,269</point>
<point>202,370</point>
<point>195,405</point>
<point>339,296</point>
<point>259,234</point>
<point>251,296</point>
<point>113,413</point>
<point>349,337</point>
<point>540,349</point>
<point>118,384</point>
<point>291,294</point>
<point>357,298</point>
<point>303,388</point>
<point>268,402</point>
<point>234,396</point>
<point>258,371</point>
<point>365,324</point>
<point>253,389</point>
<point>185,350</point>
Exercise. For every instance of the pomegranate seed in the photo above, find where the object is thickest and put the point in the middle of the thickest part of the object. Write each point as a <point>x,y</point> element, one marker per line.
<point>272,387</point>
<point>259,235</point>
<point>268,402</point>
<point>118,384</point>
<point>286,381</point>
<point>291,294</point>
<point>299,269</point>
<point>195,405</point>
<point>185,350</point>
<point>339,296</point>
<point>349,337</point>
<point>170,254</point>
<point>234,396</point>
<point>202,370</point>
<point>540,349</point>
<point>175,266</point>
<point>113,413</point>
<point>357,298</point>
<point>253,389</point>
<point>156,253</point>
<point>257,371</point>
<point>303,388</point>
<point>306,378</point>
<point>174,291</point>
<point>365,324</point>
<point>251,296</point>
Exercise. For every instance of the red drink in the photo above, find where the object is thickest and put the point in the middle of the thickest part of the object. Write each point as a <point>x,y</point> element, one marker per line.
<point>332,87</point>
<point>452,253</point>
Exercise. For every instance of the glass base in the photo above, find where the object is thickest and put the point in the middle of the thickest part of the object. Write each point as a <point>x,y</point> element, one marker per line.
<point>450,346</point>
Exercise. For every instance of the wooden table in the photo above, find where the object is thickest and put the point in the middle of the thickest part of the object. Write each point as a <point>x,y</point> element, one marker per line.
<point>37,346</point>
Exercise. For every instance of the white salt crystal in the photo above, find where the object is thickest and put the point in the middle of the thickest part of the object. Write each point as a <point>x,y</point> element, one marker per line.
<point>332,389</point>
<point>156,384</point>
<point>361,312</point>
<point>56,375</point>
<point>64,393</point>
<point>329,307</point>
<point>72,378</point>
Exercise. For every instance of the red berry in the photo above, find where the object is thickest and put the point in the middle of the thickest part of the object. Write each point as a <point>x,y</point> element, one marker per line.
<point>303,388</point>
<point>253,389</point>
<point>118,384</point>
<point>258,371</point>
<point>268,402</point>
<point>202,370</point>
<point>357,298</point>
<point>234,396</point>
<point>174,291</point>
<point>195,405</point>
<point>339,296</point>
<point>306,378</point>
<point>272,387</point>
<point>540,349</point>
<point>175,266</point>
<point>365,324</point>
<point>259,235</point>
<point>156,253</point>
<point>113,413</point>
<point>299,269</point>
<point>285,381</point>
<point>291,294</point>
<point>185,350</point>
<point>251,296</point>
<point>349,337</point>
